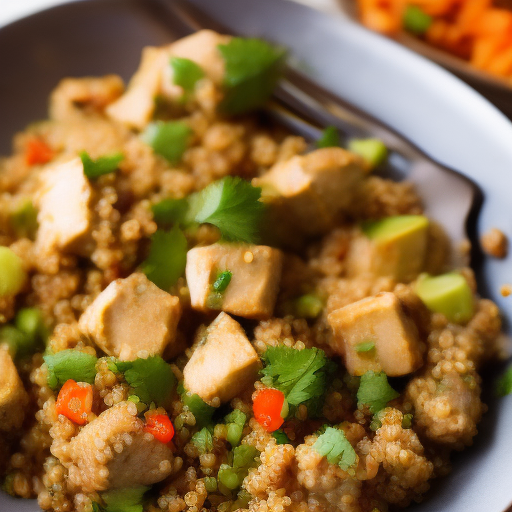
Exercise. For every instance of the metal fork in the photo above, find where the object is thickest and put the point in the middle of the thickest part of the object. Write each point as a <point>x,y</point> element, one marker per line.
<point>305,107</point>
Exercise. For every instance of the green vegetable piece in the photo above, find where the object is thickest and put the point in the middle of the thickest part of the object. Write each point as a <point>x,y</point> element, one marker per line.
<point>203,441</point>
<point>167,258</point>
<point>372,150</point>
<point>151,379</point>
<point>393,228</point>
<point>199,408</point>
<point>281,437</point>
<point>170,211</point>
<point>504,383</point>
<point>93,169</point>
<point>300,374</point>
<point>244,457</point>
<point>448,294</point>
<point>24,220</point>
<point>407,421</point>
<point>228,477</point>
<point>70,364</point>
<point>169,140</point>
<point>365,346</point>
<point>330,138</point>
<point>375,391</point>
<point>12,274</point>
<point>235,422</point>
<point>186,73</point>
<point>333,445</point>
<point>30,321</point>
<point>308,306</point>
<point>222,281</point>
<point>416,20</point>
<point>253,69</point>
<point>18,342</point>
<point>125,500</point>
<point>232,205</point>
<point>210,483</point>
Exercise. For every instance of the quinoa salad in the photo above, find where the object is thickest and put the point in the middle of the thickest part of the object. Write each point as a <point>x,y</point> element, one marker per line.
<point>200,311</point>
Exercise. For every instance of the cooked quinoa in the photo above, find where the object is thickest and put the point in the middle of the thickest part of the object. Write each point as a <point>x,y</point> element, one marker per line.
<point>201,311</point>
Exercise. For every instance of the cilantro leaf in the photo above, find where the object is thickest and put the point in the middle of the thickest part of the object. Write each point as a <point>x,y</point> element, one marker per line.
<point>170,211</point>
<point>253,68</point>
<point>333,445</point>
<point>203,441</point>
<point>151,379</point>
<point>330,138</point>
<point>169,140</point>
<point>124,500</point>
<point>93,169</point>
<point>186,73</point>
<point>375,391</point>
<point>232,205</point>
<point>365,346</point>
<point>504,383</point>
<point>70,364</point>
<point>300,374</point>
<point>198,407</point>
<point>280,437</point>
<point>167,258</point>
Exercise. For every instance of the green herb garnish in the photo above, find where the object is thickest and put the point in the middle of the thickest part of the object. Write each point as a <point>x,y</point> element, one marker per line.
<point>244,458</point>
<point>198,407</point>
<point>416,20</point>
<point>365,346</point>
<point>335,447</point>
<point>186,73</point>
<point>124,500</point>
<point>300,374</point>
<point>168,139</point>
<point>151,379</point>
<point>70,364</point>
<point>203,441</point>
<point>281,437</point>
<point>375,391</point>
<point>93,169</point>
<point>253,69</point>
<point>330,138</point>
<point>222,281</point>
<point>167,258</point>
<point>170,211</point>
<point>232,205</point>
<point>235,423</point>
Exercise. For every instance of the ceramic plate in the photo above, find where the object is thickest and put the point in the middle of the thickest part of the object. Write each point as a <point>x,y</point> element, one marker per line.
<point>432,108</point>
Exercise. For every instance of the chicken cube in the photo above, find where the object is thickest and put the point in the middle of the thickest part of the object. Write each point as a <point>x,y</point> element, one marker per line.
<point>64,216</point>
<point>311,190</point>
<point>376,334</point>
<point>132,318</point>
<point>154,76</point>
<point>114,452</point>
<point>13,397</point>
<point>224,364</point>
<point>252,291</point>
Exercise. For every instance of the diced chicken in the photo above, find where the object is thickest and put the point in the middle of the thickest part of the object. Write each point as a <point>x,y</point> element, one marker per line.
<point>312,190</point>
<point>75,95</point>
<point>13,397</point>
<point>224,364</point>
<point>252,291</point>
<point>64,216</point>
<point>380,320</point>
<point>154,76</point>
<point>114,452</point>
<point>132,316</point>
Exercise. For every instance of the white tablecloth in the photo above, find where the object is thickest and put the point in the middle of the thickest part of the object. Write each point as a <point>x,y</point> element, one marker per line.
<point>11,10</point>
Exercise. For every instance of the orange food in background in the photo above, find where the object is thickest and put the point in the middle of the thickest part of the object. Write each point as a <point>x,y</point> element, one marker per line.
<point>479,31</point>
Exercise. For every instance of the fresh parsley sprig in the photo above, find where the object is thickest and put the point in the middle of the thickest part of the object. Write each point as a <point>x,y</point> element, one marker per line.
<point>375,391</point>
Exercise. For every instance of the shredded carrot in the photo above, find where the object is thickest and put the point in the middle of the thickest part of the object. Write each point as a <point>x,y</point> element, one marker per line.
<point>475,30</point>
<point>75,401</point>
<point>38,152</point>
